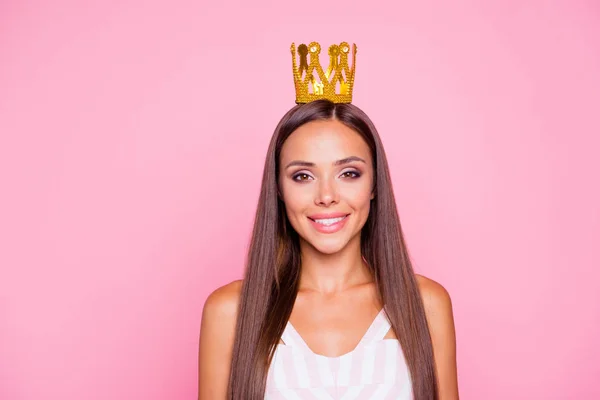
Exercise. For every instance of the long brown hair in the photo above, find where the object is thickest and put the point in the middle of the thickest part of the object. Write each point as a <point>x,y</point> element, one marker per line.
<point>272,274</point>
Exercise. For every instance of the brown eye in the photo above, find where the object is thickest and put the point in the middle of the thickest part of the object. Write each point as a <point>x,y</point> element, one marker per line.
<point>351,174</point>
<point>301,177</point>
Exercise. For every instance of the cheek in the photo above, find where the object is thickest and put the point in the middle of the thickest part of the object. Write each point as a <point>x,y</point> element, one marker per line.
<point>358,196</point>
<point>294,211</point>
<point>296,199</point>
<point>296,195</point>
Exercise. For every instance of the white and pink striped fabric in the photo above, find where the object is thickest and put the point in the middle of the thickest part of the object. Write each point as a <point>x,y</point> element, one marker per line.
<point>374,370</point>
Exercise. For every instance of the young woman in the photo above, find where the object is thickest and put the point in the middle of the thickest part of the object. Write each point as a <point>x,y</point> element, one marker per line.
<point>330,307</point>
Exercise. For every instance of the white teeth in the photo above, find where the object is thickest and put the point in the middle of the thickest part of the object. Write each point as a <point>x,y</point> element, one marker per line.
<point>329,221</point>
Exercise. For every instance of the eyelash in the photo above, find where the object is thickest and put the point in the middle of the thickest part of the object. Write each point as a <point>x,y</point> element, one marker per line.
<point>356,175</point>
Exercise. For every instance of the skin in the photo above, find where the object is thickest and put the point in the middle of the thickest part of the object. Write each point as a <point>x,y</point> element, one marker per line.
<point>337,299</point>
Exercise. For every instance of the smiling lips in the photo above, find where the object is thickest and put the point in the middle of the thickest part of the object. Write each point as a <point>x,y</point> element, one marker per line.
<point>328,223</point>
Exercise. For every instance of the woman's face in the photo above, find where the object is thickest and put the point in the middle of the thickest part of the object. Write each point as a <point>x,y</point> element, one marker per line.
<point>326,183</point>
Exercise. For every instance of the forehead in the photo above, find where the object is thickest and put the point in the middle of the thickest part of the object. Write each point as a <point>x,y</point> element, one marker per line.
<point>324,141</point>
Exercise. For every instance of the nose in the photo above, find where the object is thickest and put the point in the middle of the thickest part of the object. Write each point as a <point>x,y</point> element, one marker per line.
<point>327,193</point>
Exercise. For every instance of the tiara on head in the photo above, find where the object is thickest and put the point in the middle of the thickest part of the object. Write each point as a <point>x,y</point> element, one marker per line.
<point>335,84</point>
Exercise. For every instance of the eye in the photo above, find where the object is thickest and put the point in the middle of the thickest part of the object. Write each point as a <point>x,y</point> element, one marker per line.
<point>301,177</point>
<point>351,174</point>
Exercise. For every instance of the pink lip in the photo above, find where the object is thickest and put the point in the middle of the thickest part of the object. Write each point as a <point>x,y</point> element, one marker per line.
<point>328,228</point>
<point>326,216</point>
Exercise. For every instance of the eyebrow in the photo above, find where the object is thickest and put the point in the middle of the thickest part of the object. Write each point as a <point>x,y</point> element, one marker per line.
<point>343,161</point>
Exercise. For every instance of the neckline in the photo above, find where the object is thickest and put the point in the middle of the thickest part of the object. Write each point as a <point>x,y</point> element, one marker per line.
<point>369,335</point>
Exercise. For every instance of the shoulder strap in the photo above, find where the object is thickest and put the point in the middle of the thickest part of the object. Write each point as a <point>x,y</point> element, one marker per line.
<point>378,329</point>
<point>291,337</point>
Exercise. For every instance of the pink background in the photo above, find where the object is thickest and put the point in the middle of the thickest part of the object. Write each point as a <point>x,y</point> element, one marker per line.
<point>133,135</point>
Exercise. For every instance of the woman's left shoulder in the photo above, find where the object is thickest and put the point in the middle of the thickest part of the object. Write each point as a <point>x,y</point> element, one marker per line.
<point>436,298</point>
<point>438,311</point>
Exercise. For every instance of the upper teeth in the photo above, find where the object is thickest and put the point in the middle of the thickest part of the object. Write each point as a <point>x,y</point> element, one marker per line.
<point>329,221</point>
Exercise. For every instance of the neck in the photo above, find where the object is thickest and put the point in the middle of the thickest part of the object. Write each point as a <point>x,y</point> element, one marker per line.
<point>331,273</point>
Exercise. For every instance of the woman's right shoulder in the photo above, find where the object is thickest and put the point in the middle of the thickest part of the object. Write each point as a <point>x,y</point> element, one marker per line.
<point>217,332</point>
<point>223,302</point>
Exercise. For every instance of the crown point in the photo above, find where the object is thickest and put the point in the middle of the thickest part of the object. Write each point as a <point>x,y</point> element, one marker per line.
<point>315,47</point>
<point>302,49</point>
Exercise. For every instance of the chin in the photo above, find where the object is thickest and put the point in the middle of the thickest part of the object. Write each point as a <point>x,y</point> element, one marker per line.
<point>328,246</point>
<point>328,250</point>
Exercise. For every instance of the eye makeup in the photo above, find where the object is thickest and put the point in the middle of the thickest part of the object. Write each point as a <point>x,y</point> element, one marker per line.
<point>302,176</point>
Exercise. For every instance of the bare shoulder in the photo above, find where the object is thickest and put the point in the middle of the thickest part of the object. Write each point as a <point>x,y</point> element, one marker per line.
<point>223,302</point>
<point>217,334</point>
<point>440,319</point>
<point>436,298</point>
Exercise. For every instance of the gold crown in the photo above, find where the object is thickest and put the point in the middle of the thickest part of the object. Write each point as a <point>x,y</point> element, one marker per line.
<point>308,88</point>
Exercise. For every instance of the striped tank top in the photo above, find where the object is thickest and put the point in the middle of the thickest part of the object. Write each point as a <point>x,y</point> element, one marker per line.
<point>374,370</point>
